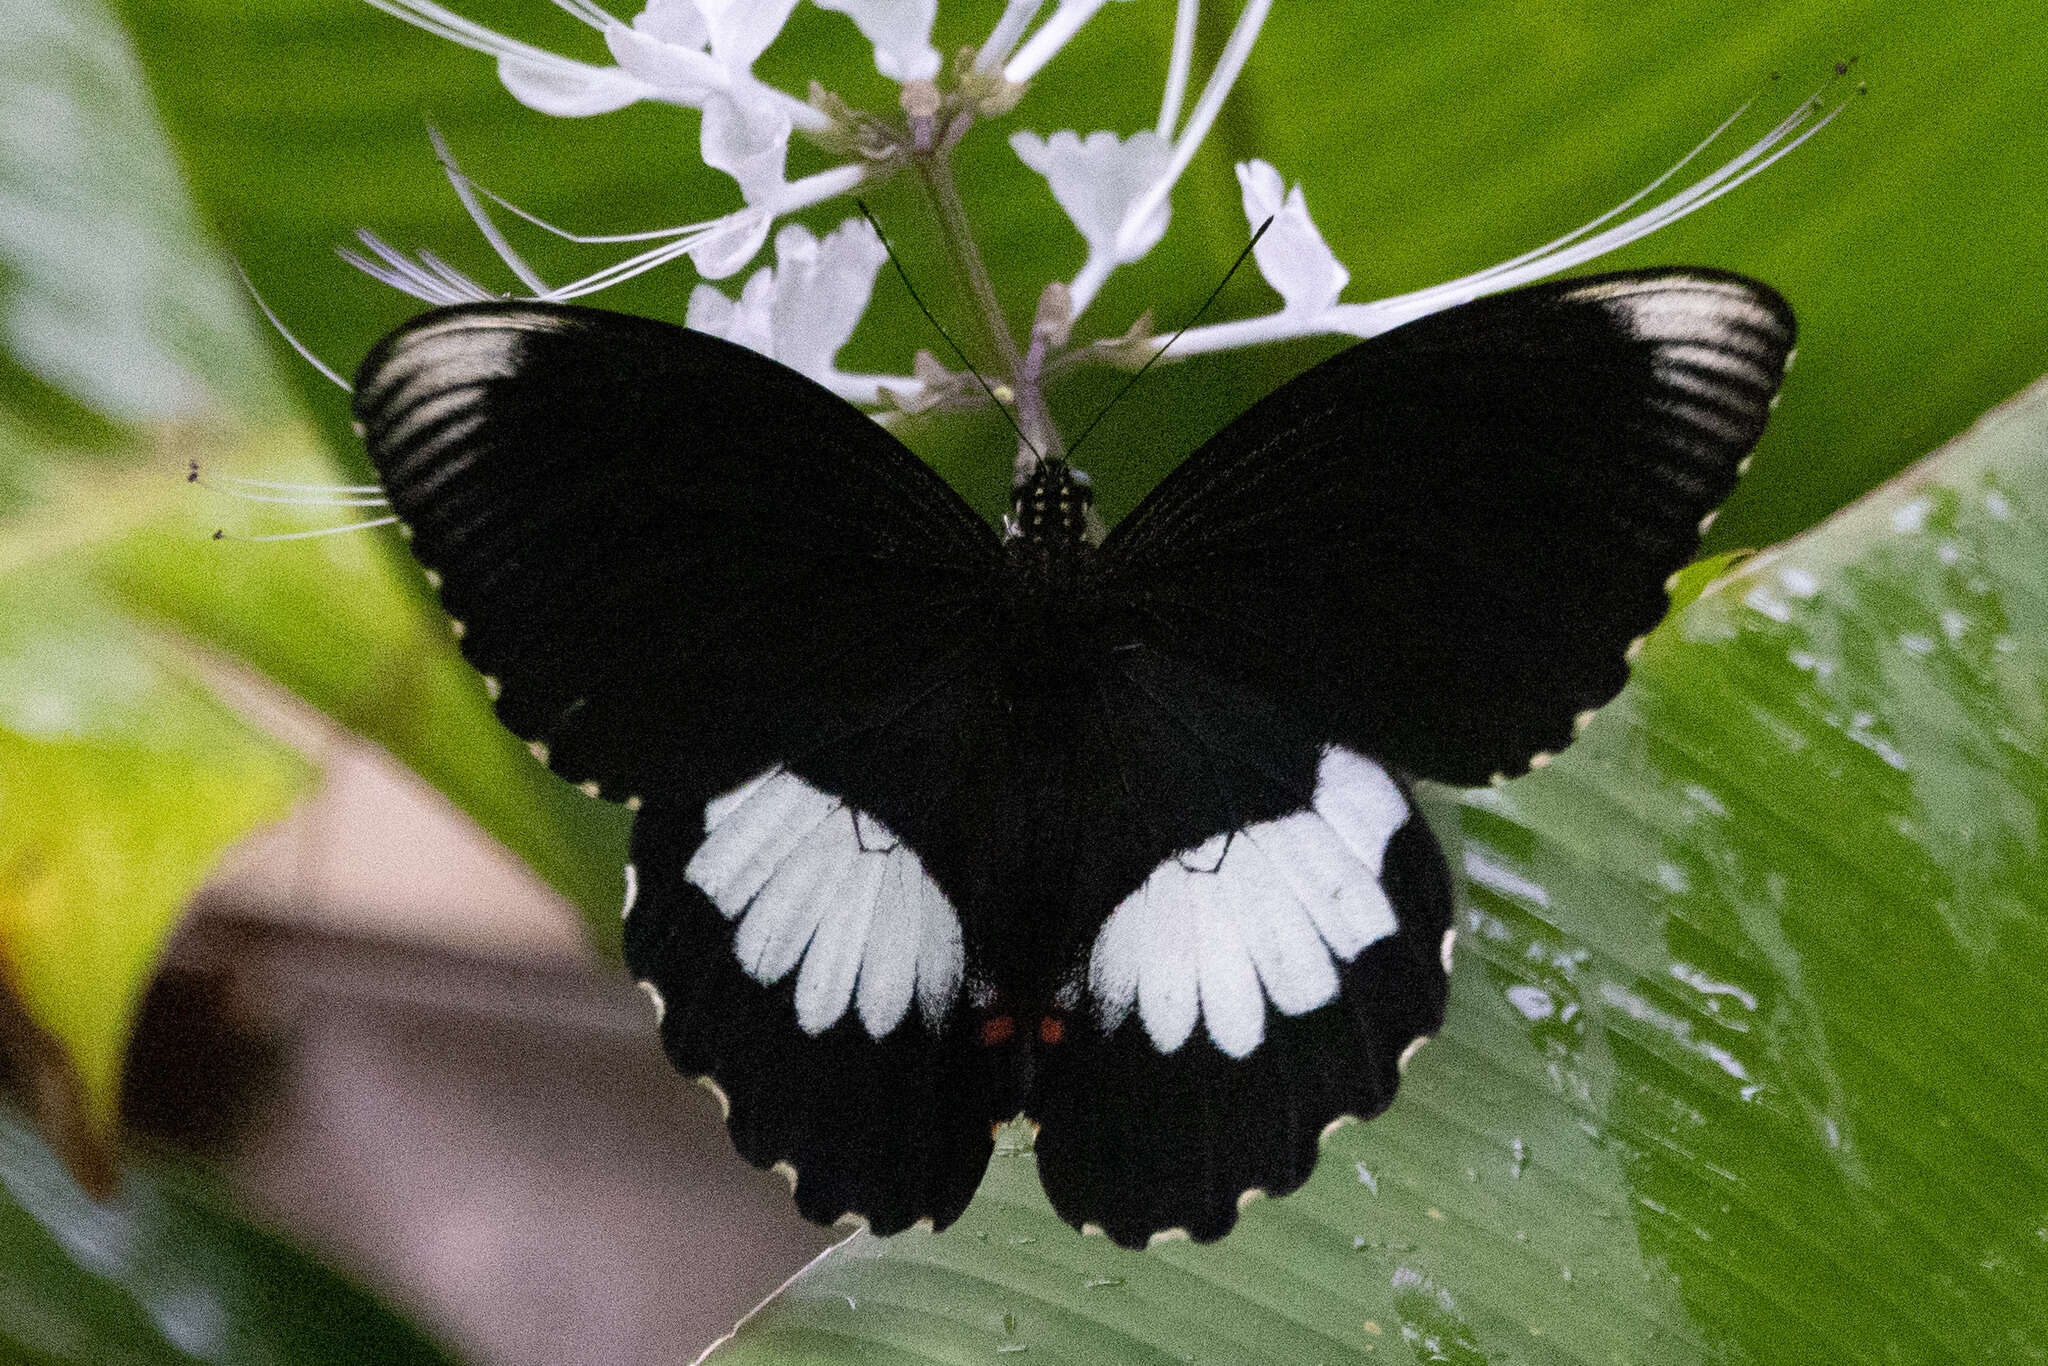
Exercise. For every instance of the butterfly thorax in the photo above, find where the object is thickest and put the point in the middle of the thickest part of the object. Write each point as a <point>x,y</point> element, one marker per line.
<point>1052,514</point>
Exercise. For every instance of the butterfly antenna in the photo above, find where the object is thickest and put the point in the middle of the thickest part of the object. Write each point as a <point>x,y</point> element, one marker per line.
<point>225,535</point>
<point>932,318</point>
<point>1153,359</point>
<point>290,493</point>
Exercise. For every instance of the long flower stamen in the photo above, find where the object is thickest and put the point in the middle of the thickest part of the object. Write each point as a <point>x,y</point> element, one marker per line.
<point>621,271</point>
<point>1575,248</point>
<point>586,238</point>
<point>286,492</point>
<point>287,485</point>
<point>801,194</point>
<point>457,282</point>
<point>1758,157</point>
<point>443,22</point>
<point>392,267</point>
<point>1053,35</point>
<point>1178,65</point>
<point>302,500</point>
<point>589,13</point>
<point>465,192</point>
<point>343,529</point>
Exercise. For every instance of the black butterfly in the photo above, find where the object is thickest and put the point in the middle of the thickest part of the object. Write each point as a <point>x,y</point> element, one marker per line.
<point>937,826</point>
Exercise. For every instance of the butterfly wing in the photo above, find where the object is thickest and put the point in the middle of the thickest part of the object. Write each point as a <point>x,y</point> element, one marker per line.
<point>1262,925</point>
<point>1448,536</point>
<point>705,585</point>
<point>1427,555</point>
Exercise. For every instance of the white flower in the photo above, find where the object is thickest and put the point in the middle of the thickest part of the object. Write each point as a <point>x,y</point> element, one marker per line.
<point>687,49</point>
<point>569,89</point>
<point>696,53</point>
<point>665,50</point>
<point>1134,178</point>
<point>802,311</point>
<point>1115,189</point>
<point>729,243</point>
<point>749,141</point>
<point>1097,180</point>
<point>749,320</point>
<point>1292,255</point>
<point>901,31</point>
<point>1309,278</point>
<point>678,51</point>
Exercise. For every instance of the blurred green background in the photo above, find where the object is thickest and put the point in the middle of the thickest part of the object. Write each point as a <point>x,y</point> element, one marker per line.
<point>1836,1155</point>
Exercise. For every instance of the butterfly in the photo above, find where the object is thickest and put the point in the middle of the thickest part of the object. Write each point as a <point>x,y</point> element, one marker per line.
<point>938,825</point>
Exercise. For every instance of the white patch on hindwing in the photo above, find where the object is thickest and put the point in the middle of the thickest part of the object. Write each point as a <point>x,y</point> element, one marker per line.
<point>828,892</point>
<point>1262,915</point>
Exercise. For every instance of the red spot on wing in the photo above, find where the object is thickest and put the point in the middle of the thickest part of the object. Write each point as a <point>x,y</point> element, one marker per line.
<point>1051,1029</point>
<point>997,1029</point>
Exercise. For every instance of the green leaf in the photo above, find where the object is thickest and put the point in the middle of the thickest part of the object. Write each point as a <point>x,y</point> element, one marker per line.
<point>1743,1058</point>
<point>108,292</point>
<point>121,779</point>
<point>301,122</point>
<point>1742,1036</point>
<point>162,1273</point>
<point>118,307</point>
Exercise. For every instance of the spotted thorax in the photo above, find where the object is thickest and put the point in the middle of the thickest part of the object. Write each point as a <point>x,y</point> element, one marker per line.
<point>1116,187</point>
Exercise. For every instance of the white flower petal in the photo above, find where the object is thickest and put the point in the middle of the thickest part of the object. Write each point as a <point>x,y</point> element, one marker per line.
<point>730,243</point>
<point>822,288</point>
<point>742,29</point>
<point>710,312</point>
<point>747,322</point>
<point>1096,181</point>
<point>1292,255</point>
<point>569,89</point>
<point>754,316</point>
<point>674,21</point>
<point>901,31</point>
<point>748,139</point>
<point>681,73</point>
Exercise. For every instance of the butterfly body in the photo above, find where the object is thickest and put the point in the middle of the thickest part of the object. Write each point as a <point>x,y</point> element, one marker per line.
<point>938,826</point>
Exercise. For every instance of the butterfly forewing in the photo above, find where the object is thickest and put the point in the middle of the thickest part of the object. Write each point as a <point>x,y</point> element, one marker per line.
<point>664,548</point>
<point>1444,539</point>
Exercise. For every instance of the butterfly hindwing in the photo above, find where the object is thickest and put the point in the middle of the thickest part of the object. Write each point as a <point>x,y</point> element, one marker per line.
<point>710,586</point>
<point>871,1096</point>
<point>1259,935</point>
<point>1445,538</point>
